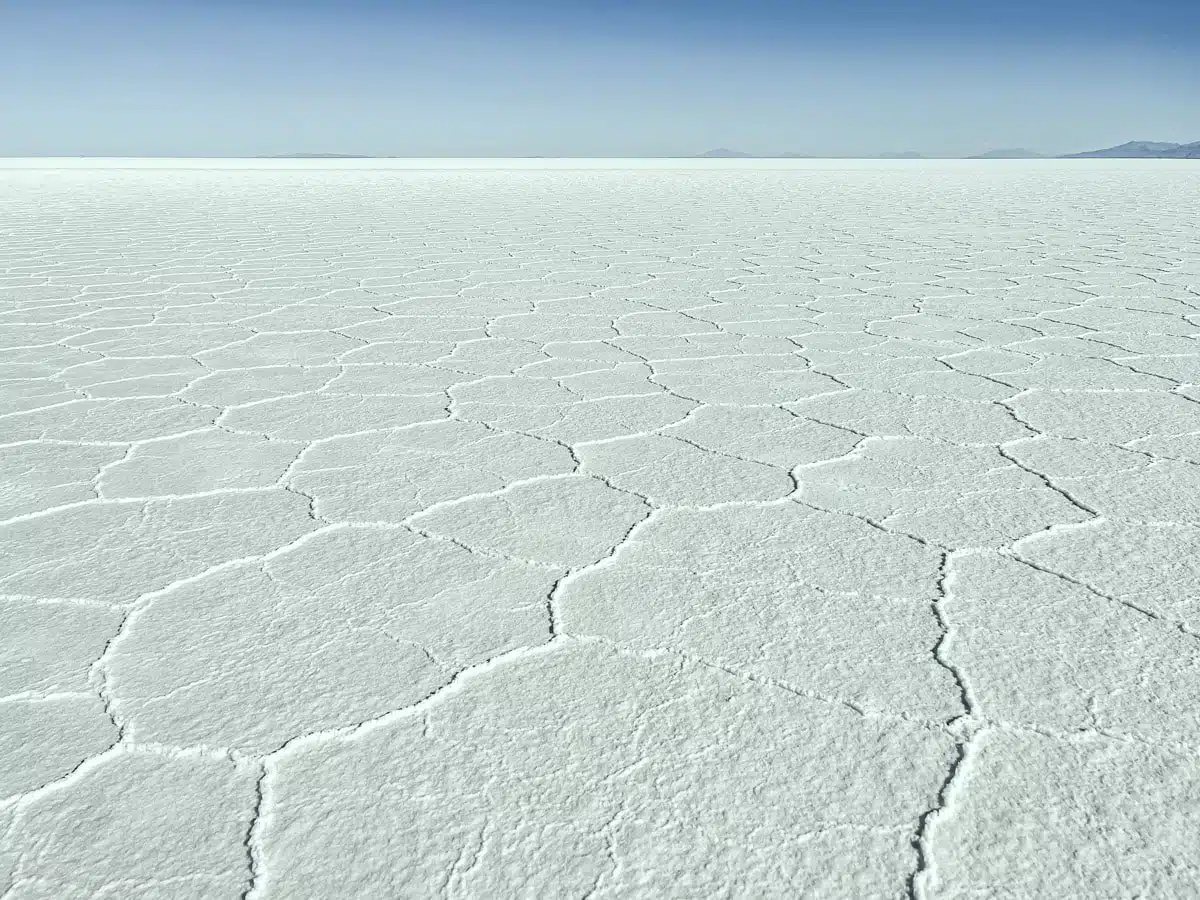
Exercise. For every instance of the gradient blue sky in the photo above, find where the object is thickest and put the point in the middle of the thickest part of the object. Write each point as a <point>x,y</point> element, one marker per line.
<point>624,78</point>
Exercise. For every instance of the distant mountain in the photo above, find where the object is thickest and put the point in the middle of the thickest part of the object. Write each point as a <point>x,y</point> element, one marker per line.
<point>318,156</point>
<point>722,153</point>
<point>905,154</point>
<point>1183,151</point>
<point>1142,150</point>
<point>1013,153</point>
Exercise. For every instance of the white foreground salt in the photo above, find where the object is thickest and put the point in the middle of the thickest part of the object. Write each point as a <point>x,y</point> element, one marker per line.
<point>560,528</point>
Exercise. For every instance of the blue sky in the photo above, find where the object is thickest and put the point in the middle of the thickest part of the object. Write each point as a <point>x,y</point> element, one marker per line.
<point>622,78</point>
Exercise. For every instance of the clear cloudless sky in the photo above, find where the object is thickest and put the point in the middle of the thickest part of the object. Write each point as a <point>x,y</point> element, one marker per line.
<point>593,78</point>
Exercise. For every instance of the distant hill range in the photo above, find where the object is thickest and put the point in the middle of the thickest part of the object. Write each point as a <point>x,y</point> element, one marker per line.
<point>1142,150</point>
<point>1130,150</point>
<point>722,153</point>
<point>1013,153</point>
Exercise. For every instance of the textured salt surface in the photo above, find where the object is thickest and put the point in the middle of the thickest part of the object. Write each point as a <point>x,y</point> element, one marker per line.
<point>723,530</point>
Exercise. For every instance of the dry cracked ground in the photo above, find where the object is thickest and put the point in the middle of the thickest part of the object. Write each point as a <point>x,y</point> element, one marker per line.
<point>737,530</point>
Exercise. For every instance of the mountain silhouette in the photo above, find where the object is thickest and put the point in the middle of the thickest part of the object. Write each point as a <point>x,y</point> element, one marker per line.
<point>1142,150</point>
<point>1010,153</point>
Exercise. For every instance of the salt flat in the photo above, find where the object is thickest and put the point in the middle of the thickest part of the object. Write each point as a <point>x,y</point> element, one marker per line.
<point>599,529</point>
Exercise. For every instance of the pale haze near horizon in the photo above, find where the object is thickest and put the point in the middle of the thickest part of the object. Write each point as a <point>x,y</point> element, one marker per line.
<point>140,79</point>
